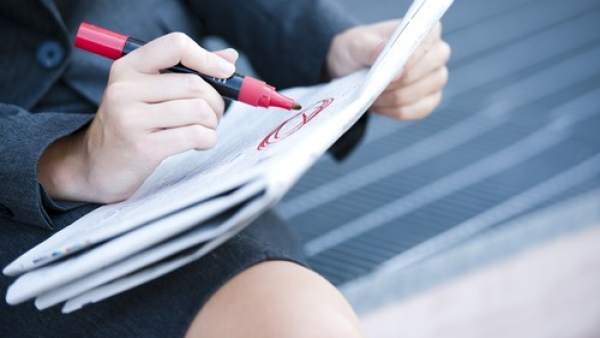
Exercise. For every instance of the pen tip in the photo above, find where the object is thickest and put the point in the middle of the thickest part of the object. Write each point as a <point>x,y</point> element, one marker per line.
<point>296,107</point>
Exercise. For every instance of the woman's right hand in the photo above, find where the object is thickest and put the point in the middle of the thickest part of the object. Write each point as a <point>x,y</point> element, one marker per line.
<point>145,116</point>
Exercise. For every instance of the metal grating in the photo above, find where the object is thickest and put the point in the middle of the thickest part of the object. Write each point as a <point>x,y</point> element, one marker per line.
<point>519,130</point>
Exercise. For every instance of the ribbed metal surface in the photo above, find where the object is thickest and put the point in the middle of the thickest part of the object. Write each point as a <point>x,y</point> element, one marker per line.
<point>518,131</point>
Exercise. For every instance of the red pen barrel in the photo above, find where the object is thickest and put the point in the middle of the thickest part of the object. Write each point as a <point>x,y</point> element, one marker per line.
<point>246,89</point>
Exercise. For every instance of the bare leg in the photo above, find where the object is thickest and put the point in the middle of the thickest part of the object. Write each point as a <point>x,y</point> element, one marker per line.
<point>276,300</point>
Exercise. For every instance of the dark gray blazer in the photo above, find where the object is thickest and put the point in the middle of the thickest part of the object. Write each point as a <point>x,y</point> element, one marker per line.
<point>286,42</point>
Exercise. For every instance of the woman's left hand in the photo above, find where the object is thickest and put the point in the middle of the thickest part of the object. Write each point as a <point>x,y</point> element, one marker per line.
<point>417,91</point>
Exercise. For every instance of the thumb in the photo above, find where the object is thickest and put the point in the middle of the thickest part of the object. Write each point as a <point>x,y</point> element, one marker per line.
<point>367,48</point>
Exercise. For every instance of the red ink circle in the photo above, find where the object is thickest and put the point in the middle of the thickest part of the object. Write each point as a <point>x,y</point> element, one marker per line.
<point>293,124</point>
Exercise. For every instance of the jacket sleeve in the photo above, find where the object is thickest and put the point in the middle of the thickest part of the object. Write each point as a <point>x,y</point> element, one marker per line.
<point>286,41</point>
<point>24,137</point>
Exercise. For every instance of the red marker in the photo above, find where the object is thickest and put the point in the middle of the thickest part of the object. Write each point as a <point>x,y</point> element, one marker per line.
<point>245,89</point>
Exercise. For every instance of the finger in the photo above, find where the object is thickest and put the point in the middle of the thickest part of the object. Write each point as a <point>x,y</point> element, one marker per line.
<point>436,58</point>
<point>228,54</point>
<point>173,141</point>
<point>415,111</point>
<point>172,49</point>
<point>431,40</point>
<point>179,113</point>
<point>410,94</point>
<point>440,75</point>
<point>385,28</point>
<point>172,86</point>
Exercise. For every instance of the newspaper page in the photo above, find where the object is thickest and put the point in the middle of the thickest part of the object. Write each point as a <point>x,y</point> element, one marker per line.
<point>260,155</point>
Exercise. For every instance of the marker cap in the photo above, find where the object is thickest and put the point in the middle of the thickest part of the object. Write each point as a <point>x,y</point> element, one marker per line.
<point>100,41</point>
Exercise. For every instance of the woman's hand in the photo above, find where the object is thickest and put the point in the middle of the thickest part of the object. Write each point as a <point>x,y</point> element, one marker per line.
<point>418,90</point>
<point>144,117</point>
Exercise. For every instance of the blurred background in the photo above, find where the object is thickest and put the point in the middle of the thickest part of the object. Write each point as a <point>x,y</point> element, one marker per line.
<point>510,162</point>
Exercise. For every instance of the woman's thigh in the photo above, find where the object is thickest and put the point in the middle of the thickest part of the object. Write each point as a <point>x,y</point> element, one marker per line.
<point>276,299</point>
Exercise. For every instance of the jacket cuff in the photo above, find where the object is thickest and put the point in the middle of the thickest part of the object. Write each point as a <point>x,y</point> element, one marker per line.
<point>345,145</point>
<point>26,137</point>
<point>62,213</point>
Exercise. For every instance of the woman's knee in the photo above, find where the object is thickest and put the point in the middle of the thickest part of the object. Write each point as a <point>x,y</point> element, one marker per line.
<point>276,299</point>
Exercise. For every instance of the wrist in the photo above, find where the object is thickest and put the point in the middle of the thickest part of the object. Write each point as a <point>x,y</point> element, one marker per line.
<point>62,168</point>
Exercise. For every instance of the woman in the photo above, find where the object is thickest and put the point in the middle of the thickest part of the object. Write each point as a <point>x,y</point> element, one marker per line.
<point>78,132</point>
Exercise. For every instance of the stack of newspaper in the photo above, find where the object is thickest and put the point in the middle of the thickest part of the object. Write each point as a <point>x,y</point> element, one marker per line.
<point>195,201</point>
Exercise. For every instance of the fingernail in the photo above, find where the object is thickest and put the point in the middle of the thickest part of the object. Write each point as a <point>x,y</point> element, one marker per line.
<point>225,66</point>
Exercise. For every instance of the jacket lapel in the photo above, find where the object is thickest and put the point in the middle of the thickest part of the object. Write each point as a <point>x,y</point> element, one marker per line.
<point>50,6</point>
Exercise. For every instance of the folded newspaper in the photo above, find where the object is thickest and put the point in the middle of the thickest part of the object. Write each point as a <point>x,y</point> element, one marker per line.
<point>197,200</point>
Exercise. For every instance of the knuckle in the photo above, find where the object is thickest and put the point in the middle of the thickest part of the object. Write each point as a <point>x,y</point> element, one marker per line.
<point>393,113</point>
<point>409,77</point>
<point>396,115</point>
<point>443,76</point>
<point>118,67</point>
<point>400,98</point>
<point>402,113</point>
<point>214,101</point>
<point>211,139</point>
<point>212,121</point>
<point>427,109</point>
<point>179,41</point>
<point>194,84</point>
<point>439,97</point>
<point>146,150</point>
<point>421,114</point>
<point>205,114</point>
<point>140,148</point>
<point>125,121</point>
<point>209,60</point>
<point>115,92</point>
<point>201,105</point>
<point>435,34</point>
<point>183,139</point>
<point>445,50</point>
<point>219,106</point>
<point>204,138</point>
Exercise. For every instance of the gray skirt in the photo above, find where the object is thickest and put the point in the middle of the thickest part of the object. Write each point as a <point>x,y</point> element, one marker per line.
<point>164,307</point>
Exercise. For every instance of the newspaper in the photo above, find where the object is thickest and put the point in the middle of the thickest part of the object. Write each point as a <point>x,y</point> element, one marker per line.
<point>196,200</point>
